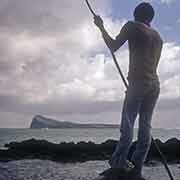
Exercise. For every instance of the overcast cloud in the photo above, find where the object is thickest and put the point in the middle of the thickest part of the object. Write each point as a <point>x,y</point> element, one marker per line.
<point>53,62</point>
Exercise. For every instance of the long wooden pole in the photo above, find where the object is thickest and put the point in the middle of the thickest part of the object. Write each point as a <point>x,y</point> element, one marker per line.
<point>163,159</point>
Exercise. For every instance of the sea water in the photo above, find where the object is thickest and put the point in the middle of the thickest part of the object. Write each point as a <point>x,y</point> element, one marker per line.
<point>97,135</point>
<point>48,170</point>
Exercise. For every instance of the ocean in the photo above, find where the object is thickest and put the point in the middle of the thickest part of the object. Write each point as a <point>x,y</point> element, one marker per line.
<point>48,170</point>
<point>68,135</point>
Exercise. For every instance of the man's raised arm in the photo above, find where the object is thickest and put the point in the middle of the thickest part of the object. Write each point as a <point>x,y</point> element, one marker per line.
<point>111,43</point>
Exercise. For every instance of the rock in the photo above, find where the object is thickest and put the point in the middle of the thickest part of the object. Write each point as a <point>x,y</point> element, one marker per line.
<point>81,151</point>
<point>40,122</point>
<point>119,174</point>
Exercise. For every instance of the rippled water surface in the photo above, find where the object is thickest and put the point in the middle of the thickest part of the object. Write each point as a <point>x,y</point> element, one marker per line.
<point>92,134</point>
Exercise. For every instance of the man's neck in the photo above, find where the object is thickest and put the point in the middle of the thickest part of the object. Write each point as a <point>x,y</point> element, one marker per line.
<point>146,23</point>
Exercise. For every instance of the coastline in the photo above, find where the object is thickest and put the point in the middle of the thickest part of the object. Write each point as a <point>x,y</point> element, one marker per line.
<point>82,151</point>
<point>40,159</point>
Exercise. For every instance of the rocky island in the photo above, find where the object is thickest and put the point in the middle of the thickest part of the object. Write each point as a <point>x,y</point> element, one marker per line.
<point>39,122</point>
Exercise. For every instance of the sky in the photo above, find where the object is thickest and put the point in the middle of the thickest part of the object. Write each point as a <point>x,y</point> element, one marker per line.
<point>53,62</point>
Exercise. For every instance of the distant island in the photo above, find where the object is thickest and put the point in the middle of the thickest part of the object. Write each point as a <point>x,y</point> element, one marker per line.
<point>40,122</point>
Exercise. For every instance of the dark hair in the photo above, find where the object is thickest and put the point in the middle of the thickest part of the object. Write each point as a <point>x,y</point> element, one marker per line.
<point>144,12</point>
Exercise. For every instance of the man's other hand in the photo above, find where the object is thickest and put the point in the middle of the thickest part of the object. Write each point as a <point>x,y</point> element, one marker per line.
<point>98,22</point>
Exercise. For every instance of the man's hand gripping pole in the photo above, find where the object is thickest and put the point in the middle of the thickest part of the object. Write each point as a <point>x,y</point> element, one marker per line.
<point>112,53</point>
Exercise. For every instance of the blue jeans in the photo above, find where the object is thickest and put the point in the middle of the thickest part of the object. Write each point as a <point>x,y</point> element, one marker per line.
<point>140,99</point>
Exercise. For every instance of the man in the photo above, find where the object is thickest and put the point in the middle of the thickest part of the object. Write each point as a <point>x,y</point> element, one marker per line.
<point>145,45</point>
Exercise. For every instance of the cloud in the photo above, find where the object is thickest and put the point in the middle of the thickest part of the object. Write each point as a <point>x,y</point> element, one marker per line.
<point>178,21</point>
<point>167,1</point>
<point>42,17</point>
<point>54,62</point>
<point>169,71</point>
<point>48,55</point>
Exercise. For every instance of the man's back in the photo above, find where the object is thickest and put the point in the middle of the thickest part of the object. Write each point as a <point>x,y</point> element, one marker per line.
<point>145,45</point>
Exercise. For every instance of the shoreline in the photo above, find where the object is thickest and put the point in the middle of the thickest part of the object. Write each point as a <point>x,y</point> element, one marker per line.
<point>82,151</point>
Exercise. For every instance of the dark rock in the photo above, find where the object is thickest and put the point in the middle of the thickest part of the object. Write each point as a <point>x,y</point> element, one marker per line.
<point>119,174</point>
<point>40,122</point>
<point>82,151</point>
